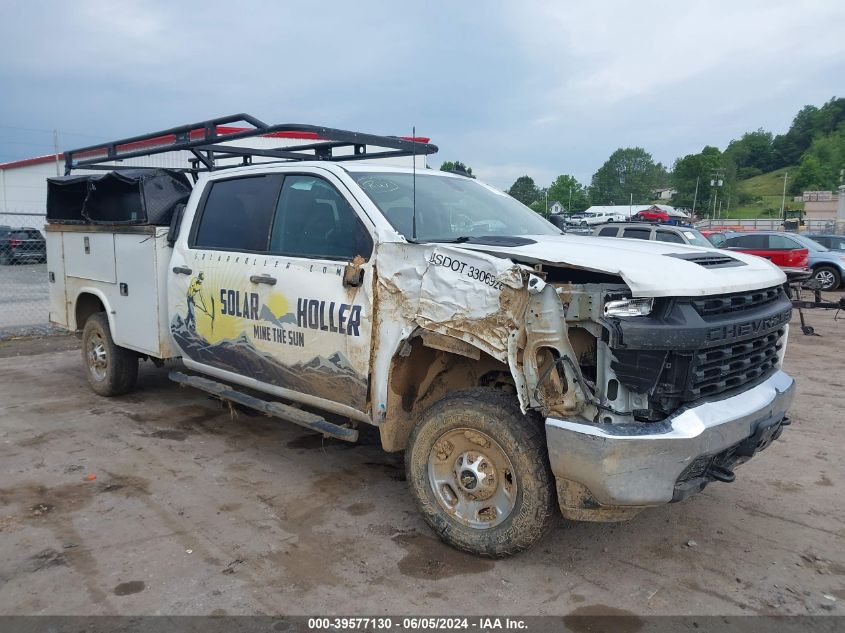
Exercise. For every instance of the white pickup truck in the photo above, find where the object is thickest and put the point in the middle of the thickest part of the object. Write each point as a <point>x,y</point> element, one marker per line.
<point>521,370</point>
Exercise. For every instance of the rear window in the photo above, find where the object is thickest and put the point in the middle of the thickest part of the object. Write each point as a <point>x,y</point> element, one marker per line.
<point>25,235</point>
<point>783,243</point>
<point>639,234</point>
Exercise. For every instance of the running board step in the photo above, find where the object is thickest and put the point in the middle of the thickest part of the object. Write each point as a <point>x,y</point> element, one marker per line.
<point>276,409</point>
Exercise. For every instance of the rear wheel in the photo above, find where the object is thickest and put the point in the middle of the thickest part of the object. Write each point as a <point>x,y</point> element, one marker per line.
<point>111,370</point>
<point>5,258</point>
<point>827,277</point>
<point>479,471</point>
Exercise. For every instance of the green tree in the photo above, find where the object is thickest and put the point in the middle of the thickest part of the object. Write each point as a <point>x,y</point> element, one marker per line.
<point>810,176</point>
<point>566,188</point>
<point>700,168</point>
<point>524,190</point>
<point>540,207</point>
<point>752,151</point>
<point>456,165</point>
<point>820,165</point>
<point>628,172</point>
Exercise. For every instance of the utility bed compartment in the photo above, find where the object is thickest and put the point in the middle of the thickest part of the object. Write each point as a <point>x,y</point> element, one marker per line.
<point>125,267</point>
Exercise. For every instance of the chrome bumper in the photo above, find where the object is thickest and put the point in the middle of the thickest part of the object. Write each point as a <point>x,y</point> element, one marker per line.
<point>639,464</point>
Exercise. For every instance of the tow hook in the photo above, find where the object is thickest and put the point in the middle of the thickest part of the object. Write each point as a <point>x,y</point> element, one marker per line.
<point>721,473</point>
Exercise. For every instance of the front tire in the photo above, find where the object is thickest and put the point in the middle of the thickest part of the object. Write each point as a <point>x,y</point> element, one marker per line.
<point>111,370</point>
<point>479,472</point>
<point>828,277</point>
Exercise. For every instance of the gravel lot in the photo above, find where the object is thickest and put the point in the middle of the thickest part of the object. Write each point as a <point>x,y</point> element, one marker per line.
<point>196,512</point>
<point>24,295</point>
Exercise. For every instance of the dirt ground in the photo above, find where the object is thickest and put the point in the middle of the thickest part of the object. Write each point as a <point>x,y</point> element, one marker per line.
<point>194,512</point>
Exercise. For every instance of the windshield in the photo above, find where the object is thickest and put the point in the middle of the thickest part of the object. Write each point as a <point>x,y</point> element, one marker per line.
<point>695,238</point>
<point>448,208</point>
<point>811,244</point>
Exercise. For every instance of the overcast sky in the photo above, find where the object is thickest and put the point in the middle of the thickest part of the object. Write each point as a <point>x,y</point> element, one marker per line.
<point>511,88</point>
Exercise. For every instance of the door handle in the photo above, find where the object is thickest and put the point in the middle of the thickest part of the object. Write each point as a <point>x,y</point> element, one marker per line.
<point>263,279</point>
<point>181,270</point>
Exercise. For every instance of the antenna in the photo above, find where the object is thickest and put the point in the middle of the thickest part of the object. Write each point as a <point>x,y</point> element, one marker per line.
<point>414,183</point>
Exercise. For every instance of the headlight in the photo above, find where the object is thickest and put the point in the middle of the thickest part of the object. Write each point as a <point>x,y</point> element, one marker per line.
<point>628,307</point>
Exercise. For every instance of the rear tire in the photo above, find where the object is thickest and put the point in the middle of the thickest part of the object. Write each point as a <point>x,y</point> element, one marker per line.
<point>5,258</point>
<point>479,472</point>
<point>111,370</point>
<point>828,277</point>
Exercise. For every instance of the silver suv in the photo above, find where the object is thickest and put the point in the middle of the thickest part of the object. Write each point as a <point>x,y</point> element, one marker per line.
<point>659,232</point>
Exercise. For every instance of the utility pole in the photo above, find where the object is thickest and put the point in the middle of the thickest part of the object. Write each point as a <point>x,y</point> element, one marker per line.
<point>717,179</point>
<point>783,197</point>
<point>56,149</point>
<point>569,208</point>
<point>695,197</point>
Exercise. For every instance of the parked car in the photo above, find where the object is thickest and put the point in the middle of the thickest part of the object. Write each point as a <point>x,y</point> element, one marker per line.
<point>21,245</point>
<point>716,237</point>
<point>660,233</point>
<point>828,265</point>
<point>650,215</point>
<point>782,249</point>
<point>591,219</point>
<point>833,242</point>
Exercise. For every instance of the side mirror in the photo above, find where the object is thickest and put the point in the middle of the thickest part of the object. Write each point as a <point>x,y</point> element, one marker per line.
<point>353,274</point>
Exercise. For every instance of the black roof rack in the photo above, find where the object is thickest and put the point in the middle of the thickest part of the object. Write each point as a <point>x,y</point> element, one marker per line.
<point>207,145</point>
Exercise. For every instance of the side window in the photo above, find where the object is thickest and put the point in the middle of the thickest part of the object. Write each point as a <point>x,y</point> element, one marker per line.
<point>609,231</point>
<point>782,243</point>
<point>238,213</point>
<point>669,236</point>
<point>755,242</point>
<point>640,234</point>
<point>314,220</point>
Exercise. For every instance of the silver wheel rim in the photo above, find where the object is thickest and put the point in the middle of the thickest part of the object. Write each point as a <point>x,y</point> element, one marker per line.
<point>826,278</point>
<point>472,478</point>
<point>98,360</point>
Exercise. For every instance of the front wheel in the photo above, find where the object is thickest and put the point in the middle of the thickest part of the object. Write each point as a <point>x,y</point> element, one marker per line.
<point>827,277</point>
<point>111,370</point>
<point>479,471</point>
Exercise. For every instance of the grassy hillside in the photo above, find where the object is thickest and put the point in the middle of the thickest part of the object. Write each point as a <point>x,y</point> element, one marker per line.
<point>766,191</point>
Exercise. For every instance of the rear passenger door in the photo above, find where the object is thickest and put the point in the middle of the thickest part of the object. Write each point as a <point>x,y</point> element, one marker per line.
<point>257,293</point>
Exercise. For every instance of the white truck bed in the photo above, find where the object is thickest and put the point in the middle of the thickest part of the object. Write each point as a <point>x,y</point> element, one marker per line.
<point>125,267</point>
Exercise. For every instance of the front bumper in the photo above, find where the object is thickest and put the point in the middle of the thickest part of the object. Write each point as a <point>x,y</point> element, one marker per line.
<point>631,466</point>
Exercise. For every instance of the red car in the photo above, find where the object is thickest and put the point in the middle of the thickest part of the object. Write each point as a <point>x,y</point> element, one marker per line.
<point>778,247</point>
<point>652,215</point>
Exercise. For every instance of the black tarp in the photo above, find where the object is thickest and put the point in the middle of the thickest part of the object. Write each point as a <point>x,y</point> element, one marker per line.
<point>131,196</point>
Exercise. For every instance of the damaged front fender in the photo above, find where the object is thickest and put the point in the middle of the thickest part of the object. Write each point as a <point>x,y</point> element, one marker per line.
<point>495,305</point>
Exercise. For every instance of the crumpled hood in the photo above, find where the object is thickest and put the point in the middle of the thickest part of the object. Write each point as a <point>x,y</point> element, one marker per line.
<point>645,266</point>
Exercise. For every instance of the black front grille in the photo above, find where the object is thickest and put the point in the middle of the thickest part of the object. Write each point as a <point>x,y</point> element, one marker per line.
<point>715,370</point>
<point>736,302</point>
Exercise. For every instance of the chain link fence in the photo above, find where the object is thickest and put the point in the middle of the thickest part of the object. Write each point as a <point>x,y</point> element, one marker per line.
<point>828,226</point>
<point>24,292</point>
